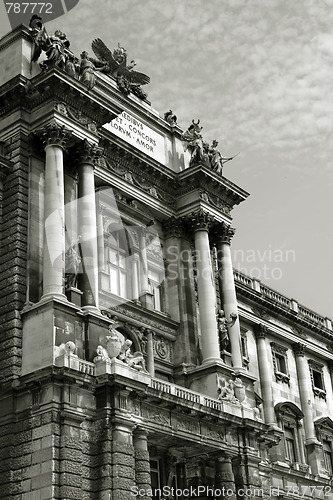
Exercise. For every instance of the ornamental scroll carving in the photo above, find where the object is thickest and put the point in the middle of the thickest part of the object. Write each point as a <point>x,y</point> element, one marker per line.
<point>77,116</point>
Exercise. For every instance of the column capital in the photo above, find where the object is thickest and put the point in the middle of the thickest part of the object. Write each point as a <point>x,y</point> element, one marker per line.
<point>260,331</point>
<point>87,153</point>
<point>222,233</point>
<point>200,220</point>
<point>299,349</point>
<point>55,135</point>
<point>172,227</point>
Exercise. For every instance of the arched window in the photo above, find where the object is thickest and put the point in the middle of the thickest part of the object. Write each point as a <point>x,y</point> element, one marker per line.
<point>289,419</point>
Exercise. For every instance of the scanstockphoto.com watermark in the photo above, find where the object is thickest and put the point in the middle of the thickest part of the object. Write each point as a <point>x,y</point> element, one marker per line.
<point>314,491</point>
<point>267,264</point>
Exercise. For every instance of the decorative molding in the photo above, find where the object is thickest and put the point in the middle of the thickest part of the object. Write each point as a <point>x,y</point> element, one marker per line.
<point>260,331</point>
<point>199,220</point>
<point>76,115</point>
<point>55,135</point>
<point>172,227</point>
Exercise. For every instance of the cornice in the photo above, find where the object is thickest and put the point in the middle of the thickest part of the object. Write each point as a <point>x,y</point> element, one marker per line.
<point>58,85</point>
<point>277,309</point>
<point>200,177</point>
<point>20,32</point>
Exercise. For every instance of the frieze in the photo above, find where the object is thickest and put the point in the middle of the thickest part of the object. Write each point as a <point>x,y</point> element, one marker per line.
<point>158,416</point>
<point>76,115</point>
<point>215,433</point>
<point>139,317</point>
<point>216,202</point>
<point>186,424</point>
<point>133,406</point>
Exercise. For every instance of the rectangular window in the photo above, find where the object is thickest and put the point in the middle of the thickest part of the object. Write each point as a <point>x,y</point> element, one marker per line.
<point>280,363</point>
<point>156,288</point>
<point>289,438</point>
<point>327,450</point>
<point>318,380</point>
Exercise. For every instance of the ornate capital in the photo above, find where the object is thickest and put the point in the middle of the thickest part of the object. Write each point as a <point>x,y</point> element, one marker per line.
<point>55,135</point>
<point>172,227</point>
<point>200,220</point>
<point>299,349</point>
<point>87,153</point>
<point>222,233</point>
<point>260,331</point>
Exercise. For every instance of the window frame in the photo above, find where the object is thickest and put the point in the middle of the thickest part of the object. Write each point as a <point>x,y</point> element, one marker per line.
<point>318,369</point>
<point>279,353</point>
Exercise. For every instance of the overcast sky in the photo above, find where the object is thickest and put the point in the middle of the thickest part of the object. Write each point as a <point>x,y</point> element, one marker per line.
<point>259,75</point>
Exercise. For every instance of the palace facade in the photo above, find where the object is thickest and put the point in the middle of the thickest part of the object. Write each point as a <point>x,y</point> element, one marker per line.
<point>135,362</point>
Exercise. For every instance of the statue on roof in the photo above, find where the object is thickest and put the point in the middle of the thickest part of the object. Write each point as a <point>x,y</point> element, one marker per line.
<point>193,142</point>
<point>202,152</point>
<point>55,47</point>
<point>115,64</point>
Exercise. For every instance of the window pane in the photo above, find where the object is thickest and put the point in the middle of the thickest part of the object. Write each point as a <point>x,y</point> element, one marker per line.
<point>113,280</point>
<point>112,256</point>
<point>122,282</point>
<point>317,379</point>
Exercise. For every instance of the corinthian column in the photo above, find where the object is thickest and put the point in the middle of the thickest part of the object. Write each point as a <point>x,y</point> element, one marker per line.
<point>223,235</point>
<point>265,374</point>
<point>87,225</point>
<point>54,138</point>
<point>200,222</point>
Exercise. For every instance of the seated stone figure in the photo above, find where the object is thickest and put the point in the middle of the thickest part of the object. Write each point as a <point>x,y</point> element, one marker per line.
<point>134,360</point>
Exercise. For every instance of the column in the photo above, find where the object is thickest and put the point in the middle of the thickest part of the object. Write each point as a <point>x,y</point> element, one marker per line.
<point>200,223</point>
<point>87,225</point>
<point>150,353</point>
<point>265,374</point>
<point>54,138</point>
<point>224,478</point>
<point>145,294</point>
<point>122,460</point>
<point>100,237</point>
<point>142,464</point>
<point>304,384</point>
<point>223,236</point>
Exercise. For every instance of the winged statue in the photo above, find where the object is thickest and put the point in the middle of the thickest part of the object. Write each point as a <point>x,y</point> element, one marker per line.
<point>115,64</point>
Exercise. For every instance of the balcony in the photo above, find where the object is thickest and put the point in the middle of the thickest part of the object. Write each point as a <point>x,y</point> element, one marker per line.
<point>155,388</point>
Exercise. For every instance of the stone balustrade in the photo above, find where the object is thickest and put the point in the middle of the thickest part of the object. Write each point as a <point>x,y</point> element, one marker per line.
<point>282,300</point>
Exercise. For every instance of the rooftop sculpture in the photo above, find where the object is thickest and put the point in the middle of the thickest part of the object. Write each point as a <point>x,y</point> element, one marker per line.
<point>113,64</point>
<point>202,152</point>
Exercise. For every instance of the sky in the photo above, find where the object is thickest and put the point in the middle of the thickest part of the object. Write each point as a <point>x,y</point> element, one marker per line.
<point>259,76</point>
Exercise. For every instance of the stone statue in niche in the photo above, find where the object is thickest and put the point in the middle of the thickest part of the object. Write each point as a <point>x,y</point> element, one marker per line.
<point>222,325</point>
<point>73,262</point>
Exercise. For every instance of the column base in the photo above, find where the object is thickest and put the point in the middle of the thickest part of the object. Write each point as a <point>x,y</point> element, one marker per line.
<point>93,309</point>
<point>48,296</point>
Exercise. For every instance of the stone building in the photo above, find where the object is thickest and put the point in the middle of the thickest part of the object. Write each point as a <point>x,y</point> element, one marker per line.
<point>133,357</point>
